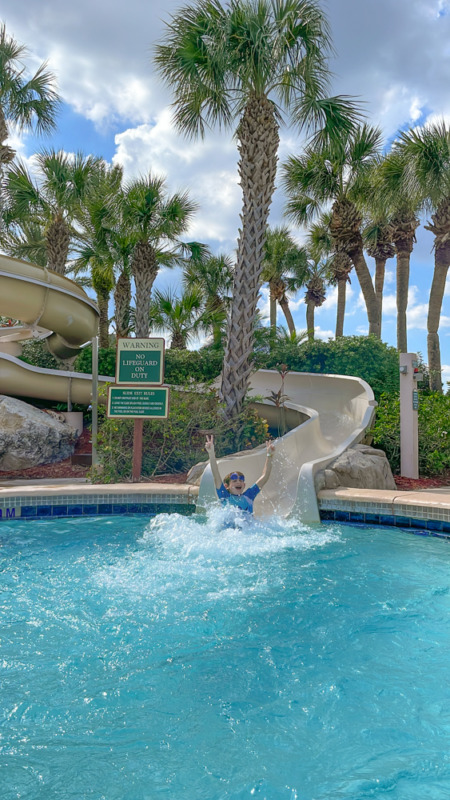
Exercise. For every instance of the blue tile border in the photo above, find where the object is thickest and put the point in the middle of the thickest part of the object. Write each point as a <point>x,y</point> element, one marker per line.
<point>33,512</point>
<point>420,527</point>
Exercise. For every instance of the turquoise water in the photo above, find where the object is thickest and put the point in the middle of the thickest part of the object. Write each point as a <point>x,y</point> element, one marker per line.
<point>172,659</point>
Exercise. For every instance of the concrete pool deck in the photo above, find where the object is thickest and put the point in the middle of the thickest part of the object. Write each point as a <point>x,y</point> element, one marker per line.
<point>427,510</point>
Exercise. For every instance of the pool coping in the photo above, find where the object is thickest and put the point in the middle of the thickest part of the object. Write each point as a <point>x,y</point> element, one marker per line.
<point>420,510</point>
<point>426,510</point>
<point>38,501</point>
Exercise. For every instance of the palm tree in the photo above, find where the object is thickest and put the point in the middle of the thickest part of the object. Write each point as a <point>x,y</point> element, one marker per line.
<point>284,269</point>
<point>213,275</point>
<point>245,63</point>
<point>338,173</point>
<point>98,219</point>
<point>53,200</point>
<point>426,154</point>
<point>317,275</point>
<point>398,206</point>
<point>24,102</point>
<point>154,221</point>
<point>377,238</point>
<point>320,245</point>
<point>181,317</point>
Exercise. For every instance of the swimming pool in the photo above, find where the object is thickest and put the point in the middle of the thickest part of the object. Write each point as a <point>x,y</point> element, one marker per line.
<point>169,658</point>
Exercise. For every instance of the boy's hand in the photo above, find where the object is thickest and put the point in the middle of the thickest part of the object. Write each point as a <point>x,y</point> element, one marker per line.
<point>270,449</point>
<point>209,444</point>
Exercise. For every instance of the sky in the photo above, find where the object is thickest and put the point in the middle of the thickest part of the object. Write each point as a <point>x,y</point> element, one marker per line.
<point>394,55</point>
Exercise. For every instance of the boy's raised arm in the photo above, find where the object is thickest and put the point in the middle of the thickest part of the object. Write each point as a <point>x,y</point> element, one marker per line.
<point>209,447</point>
<point>267,466</point>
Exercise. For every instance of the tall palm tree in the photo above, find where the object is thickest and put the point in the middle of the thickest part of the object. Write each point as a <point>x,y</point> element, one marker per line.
<point>53,199</point>
<point>154,221</point>
<point>26,102</point>
<point>242,65</point>
<point>213,275</point>
<point>181,317</point>
<point>320,245</point>
<point>399,206</point>
<point>338,173</point>
<point>426,152</point>
<point>284,269</point>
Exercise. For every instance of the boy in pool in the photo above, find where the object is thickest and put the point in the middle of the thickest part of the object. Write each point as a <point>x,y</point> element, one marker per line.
<point>232,489</point>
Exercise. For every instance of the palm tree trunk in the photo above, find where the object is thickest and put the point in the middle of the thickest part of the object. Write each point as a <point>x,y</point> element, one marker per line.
<point>403,263</point>
<point>178,341</point>
<point>370,298</point>
<point>258,141</point>
<point>103,322</point>
<point>380,271</point>
<point>57,240</point>
<point>122,302</point>
<point>340,312</point>
<point>284,303</point>
<point>272,312</point>
<point>144,267</point>
<point>310,308</point>
<point>441,265</point>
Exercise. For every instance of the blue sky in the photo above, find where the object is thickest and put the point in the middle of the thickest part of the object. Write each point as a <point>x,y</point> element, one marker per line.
<point>394,56</point>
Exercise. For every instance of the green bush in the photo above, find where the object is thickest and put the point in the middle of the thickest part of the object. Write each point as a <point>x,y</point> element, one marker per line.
<point>364,357</point>
<point>176,444</point>
<point>434,432</point>
<point>36,353</point>
<point>106,361</point>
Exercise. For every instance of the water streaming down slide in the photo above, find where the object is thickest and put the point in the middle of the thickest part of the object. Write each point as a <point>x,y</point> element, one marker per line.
<point>325,413</point>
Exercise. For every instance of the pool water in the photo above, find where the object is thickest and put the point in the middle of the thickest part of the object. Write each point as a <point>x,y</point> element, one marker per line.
<point>173,658</point>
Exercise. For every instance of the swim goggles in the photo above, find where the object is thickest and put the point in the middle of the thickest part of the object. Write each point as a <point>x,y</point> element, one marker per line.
<point>237,476</point>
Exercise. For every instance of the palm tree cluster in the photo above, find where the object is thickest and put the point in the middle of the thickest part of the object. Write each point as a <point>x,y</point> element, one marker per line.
<point>247,65</point>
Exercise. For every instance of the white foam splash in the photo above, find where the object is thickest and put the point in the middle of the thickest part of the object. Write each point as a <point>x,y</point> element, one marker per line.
<point>221,554</point>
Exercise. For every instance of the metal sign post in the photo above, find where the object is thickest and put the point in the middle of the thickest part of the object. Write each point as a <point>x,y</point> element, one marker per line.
<point>409,422</point>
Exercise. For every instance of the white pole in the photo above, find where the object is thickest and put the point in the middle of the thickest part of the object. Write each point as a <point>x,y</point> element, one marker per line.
<point>409,423</point>
<point>94,400</point>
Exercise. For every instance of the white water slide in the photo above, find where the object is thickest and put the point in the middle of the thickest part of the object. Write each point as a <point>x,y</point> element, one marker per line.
<point>53,307</point>
<point>326,414</point>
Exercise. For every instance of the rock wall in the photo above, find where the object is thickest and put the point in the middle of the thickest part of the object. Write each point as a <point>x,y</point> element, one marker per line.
<point>30,437</point>
<point>360,467</point>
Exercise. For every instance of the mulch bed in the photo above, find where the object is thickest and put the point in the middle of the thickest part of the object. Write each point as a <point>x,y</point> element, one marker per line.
<point>65,469</point>
<point>415,484</point>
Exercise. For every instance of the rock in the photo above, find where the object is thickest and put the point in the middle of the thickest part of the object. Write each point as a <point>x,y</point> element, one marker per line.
<point>30,437</point>
<point>360,467</point>
<point>195,473</point>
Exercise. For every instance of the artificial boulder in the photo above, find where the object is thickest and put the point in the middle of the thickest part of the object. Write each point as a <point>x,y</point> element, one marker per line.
<point>359,467</point>
<point>30,437</point>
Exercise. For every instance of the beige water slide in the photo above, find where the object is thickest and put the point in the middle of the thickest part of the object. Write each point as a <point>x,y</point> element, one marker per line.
<point>326,414</point>
<point>53,307</point>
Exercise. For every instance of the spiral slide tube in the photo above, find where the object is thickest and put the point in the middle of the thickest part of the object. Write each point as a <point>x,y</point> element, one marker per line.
<point>53,307</point>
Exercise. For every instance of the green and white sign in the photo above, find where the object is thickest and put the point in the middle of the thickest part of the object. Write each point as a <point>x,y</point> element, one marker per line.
<point>138,402</point>
<point>140,361</point>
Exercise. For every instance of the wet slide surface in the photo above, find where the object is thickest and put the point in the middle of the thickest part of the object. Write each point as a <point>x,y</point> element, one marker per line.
<point>326,414</point>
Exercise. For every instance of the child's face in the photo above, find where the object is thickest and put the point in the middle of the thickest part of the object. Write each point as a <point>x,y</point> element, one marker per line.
<point>236,485</point>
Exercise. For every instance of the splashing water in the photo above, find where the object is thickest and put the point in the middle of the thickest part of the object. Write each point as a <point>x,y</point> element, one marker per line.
<point>188,657</point>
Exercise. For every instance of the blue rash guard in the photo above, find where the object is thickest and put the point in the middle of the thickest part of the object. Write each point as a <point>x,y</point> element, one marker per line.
<point>243,501</point>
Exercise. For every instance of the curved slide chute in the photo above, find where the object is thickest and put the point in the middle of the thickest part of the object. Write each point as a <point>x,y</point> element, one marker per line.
<point>53,307</point>
<point>326,413</point>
